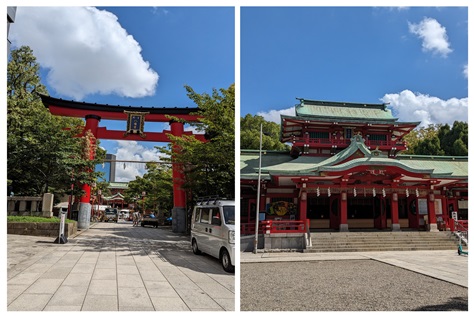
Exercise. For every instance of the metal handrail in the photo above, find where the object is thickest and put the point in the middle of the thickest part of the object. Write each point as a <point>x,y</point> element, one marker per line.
<point>462,232</point>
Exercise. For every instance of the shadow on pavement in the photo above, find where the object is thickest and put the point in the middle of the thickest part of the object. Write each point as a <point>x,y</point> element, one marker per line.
<point>455,304</point>
<point>157,243</point>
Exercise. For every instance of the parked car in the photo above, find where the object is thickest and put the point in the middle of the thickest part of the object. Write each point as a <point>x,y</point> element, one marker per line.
<point>149,220</point>
<point>213,231</point>
<point>110,214</point>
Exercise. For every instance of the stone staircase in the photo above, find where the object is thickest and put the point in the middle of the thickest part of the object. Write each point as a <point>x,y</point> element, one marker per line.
<point>381,241</point>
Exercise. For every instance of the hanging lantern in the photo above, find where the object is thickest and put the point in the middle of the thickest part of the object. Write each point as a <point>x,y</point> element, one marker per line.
<point>407,193</point>
<point>383,192</point>
<point>373,192</point>
<point>317,192</point>
<point>355,192</point>
<point>417,193</point>
<point>329,191</point>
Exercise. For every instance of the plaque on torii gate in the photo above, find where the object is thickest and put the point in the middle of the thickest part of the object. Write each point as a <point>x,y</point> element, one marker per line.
<point>135,117</point>
<point>135,123</point>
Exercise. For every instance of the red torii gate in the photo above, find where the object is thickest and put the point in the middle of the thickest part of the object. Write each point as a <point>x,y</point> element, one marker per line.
<point>135,117</point>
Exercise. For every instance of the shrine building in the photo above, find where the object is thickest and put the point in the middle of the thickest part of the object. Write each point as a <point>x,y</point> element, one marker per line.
<point>346,172</point>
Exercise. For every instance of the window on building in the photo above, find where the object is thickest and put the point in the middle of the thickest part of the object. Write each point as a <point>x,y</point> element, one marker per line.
<point>319,135</point>
<point>378,137</point>
<point>348,133</point>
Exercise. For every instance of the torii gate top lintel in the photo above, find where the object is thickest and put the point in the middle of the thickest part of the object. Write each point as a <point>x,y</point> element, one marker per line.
<point>114,112</point>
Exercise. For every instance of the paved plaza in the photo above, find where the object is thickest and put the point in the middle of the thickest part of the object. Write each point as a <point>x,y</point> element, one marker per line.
<point>115,267</point>
<point>363,281</point>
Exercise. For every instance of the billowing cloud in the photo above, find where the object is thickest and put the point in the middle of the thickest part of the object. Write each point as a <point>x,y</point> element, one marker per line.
<point>274,115</point>
<point>85,51</point>
<point>433,35</point>
<point>412,107</point>
<point>133,151</point>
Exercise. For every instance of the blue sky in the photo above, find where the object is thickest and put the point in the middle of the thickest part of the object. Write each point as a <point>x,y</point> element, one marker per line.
<point>414,58</point>
<point>139,56</point>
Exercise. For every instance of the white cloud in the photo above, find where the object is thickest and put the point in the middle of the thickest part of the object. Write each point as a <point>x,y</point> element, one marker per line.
<point>274,115</point>
<point>85,50</point>
<point>433,35</point>
<point>466,71</point>
<point>412,107</point>
<point>132,150</point>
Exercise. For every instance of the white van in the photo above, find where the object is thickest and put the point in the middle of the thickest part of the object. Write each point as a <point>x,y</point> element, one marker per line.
<point>213,231</point>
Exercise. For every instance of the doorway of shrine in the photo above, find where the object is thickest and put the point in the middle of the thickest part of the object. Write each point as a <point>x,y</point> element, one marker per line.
<point>367,212</point>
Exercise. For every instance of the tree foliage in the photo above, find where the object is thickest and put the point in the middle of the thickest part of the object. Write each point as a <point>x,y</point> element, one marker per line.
<point>442,140</point>
<point>208,167</point>
<point>157,183</point>
<point>250,134</point>
<point>43,153</point>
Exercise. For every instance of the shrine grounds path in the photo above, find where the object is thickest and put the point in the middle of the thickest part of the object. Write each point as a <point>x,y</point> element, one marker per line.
<point>115,267</point>
<point>375,281</point>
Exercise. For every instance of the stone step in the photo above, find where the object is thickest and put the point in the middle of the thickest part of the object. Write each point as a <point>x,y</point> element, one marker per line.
<point>358,245</point>
<point>381,241</point>
<point>369,249</point>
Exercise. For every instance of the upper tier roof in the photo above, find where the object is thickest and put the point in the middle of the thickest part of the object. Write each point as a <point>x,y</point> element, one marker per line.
<point>343,110</point>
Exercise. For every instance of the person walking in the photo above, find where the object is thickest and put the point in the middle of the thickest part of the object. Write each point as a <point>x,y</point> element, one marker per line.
<point>136,218</point>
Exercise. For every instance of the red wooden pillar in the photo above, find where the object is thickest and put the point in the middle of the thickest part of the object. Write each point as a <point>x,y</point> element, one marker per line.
<point>394,207</point>
<point>433,227</point>
<point>263,199</point>
<point>90,133</point>
<point>303,205</point>
<point>445,208</point>
<point>179,198</point>
<point>343,226</point>
<point>92,124</point>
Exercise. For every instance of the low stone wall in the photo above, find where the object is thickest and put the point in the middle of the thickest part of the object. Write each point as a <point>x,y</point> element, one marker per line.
<point>285,242</point>
<point>247,243</point>
<point>41,229</point>
<point>275,242</point>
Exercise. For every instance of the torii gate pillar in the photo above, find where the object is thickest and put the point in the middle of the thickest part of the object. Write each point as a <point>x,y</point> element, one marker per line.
<point>179,197</point>
<point>84,213</point>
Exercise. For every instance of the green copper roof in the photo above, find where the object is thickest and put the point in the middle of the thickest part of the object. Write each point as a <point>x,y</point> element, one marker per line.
<point>280,163</point>
<point>341,110</point>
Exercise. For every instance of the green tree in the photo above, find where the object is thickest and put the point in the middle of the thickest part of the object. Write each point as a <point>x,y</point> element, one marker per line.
<point>429,146</point>
<point>43,153</point>
<point>439,140</point>
<point>157,182</point>
<point>454,141</point>
<point>208,167</point>
<point>250,134</point>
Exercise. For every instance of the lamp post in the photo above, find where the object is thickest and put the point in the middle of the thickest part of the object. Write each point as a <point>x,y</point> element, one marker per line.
<point>255,243</point>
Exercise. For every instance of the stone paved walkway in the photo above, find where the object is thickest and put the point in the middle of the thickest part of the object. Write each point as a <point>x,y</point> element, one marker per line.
<point>115,267</point>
